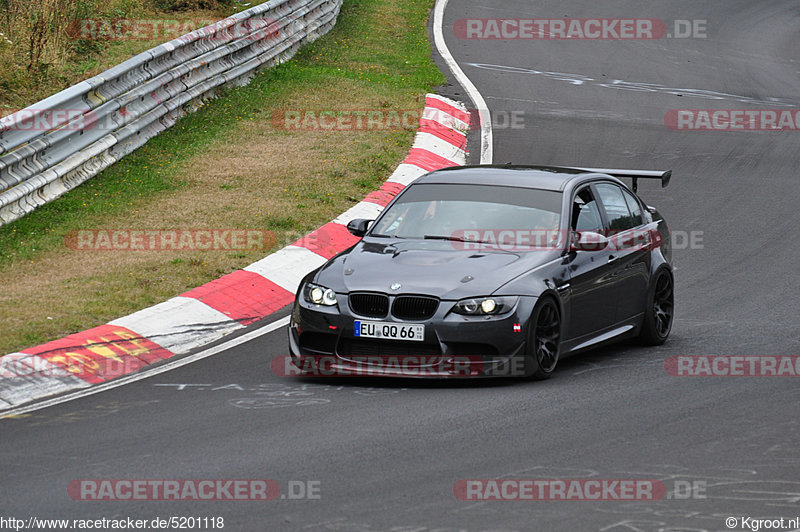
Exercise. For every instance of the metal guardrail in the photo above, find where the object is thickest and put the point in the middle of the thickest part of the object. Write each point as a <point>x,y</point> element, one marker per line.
<point>60,142</point>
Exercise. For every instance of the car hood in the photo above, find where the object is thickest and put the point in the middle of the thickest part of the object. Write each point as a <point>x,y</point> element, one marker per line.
<point>430,267</point>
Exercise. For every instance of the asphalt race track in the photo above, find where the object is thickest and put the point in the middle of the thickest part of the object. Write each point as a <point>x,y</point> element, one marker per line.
<point>378,454</point>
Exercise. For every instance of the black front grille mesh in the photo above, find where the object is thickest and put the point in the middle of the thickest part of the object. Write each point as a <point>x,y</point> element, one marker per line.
<point>375,305</point>
<point>369,304</point>
<point>414,307</point>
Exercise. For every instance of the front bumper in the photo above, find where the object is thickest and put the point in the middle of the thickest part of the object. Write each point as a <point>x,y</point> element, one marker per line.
<point>322,343</point>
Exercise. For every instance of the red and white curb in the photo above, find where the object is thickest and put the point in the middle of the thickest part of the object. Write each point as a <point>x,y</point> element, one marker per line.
<point>220,307</point>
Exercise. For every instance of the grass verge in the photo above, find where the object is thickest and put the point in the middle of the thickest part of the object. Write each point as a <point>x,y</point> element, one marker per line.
<point>48,45</point>
<point>226,166</point>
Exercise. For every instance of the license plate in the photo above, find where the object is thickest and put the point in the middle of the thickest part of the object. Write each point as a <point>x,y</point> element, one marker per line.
<point>392,331</point>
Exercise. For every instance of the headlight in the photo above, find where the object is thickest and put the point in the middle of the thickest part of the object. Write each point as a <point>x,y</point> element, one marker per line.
<point>319,295</point>
<point>485,306</point>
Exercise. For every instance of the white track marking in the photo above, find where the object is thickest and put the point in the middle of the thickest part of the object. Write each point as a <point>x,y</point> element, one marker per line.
<point>405,173</point>
<point>442,148</point>
<point>287,267</point>
<point>151,371</point>
<point>363,209</point>
<point>179,324</point>
<point>487,152</point>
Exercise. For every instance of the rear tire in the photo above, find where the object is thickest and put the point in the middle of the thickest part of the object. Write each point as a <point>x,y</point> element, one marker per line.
<point>660,311</point>
<point>544,339</point>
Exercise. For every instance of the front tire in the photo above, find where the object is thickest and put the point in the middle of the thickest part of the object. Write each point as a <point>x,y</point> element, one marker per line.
<point>544,339</point>
<point>660,311</point>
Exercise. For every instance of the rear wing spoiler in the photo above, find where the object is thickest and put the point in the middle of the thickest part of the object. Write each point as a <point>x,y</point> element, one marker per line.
<point>635,175</point>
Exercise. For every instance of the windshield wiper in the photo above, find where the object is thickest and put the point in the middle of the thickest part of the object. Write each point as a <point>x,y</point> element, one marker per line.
<point>452,238</point>
<point>494,245</point>
<point>378,235</point>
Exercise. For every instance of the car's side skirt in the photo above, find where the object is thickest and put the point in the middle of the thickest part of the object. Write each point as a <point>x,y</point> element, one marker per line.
<point>609,334</point>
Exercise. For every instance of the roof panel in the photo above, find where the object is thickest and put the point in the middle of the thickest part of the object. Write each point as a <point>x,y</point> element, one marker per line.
<point>540,177</point>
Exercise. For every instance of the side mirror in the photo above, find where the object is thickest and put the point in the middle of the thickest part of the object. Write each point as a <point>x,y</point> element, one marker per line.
<point>359,226</point>
<point>588,241</point>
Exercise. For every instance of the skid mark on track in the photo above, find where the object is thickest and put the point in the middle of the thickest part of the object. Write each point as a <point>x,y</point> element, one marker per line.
<point>270,395</point>
<point>101,410</point>
<point>635,86</point>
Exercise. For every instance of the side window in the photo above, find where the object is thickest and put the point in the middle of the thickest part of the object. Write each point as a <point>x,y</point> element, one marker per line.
<point>634,207</point>
<point>585,213</point>
<point>619,217</point>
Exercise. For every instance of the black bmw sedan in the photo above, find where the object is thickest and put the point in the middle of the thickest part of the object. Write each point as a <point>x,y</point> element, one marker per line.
<point>490,271</point>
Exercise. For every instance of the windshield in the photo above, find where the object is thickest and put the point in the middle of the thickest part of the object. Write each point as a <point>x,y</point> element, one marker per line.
<point>459,212</point>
